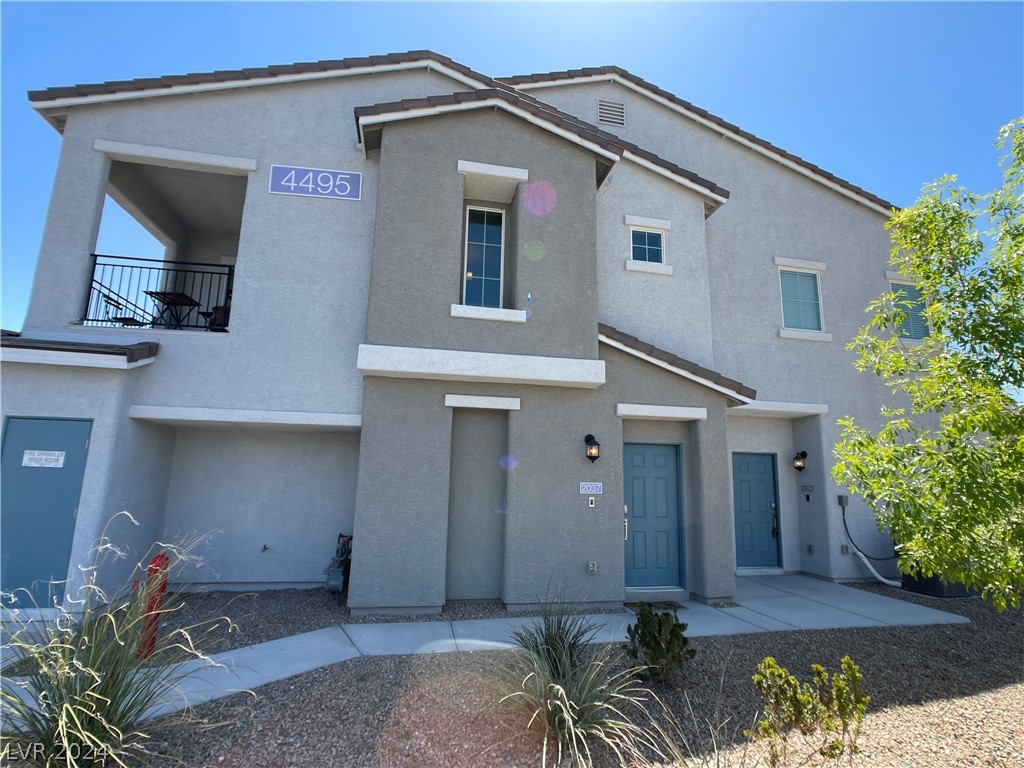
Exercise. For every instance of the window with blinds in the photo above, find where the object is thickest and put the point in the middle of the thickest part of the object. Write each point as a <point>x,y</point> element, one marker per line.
<point>910,300</point>
<point>801,302</point>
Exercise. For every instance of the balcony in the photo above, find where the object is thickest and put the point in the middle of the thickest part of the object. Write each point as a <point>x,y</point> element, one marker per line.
<point>146,293</point>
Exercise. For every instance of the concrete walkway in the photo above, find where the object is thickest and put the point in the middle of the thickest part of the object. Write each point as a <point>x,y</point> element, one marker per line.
<point>763,604</point>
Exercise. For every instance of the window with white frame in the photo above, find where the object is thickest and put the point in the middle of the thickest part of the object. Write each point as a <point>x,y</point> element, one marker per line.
<point>910,301</point>
<point>647,245</point>
<point>484,257</point>
<point>801,300</point>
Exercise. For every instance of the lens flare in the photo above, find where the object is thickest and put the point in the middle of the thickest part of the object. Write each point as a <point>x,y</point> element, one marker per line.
<point>539,198</point>
<point>508,461</point>
<point>534,251</point>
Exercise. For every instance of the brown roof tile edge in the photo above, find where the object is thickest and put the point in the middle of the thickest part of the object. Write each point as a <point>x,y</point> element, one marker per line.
<point>546,77</point>
<point>132,352</point>
<point>679,362</point>
<point>248,73</point>
<point>584,130</point>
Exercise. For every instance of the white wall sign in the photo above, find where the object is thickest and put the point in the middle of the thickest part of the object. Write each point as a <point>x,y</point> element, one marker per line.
<point>588,488</point>
<point>52,459</point>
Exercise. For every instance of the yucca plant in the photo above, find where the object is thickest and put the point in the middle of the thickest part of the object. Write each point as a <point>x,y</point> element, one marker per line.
<point>575,693</point>
<point>79,685</point>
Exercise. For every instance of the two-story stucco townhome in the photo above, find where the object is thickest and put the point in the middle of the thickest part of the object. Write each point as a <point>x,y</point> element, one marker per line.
<point>558,330</point>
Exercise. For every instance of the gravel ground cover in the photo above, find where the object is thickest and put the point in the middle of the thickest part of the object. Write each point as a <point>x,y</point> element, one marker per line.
<point>942,697</point>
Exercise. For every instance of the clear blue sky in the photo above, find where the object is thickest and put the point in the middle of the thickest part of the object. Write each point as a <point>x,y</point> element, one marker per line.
<point>886,95</point>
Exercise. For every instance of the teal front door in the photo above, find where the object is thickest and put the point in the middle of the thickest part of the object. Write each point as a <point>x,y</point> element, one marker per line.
<point>652,531</point>
<point>756,507</point>
<point>42,466</point>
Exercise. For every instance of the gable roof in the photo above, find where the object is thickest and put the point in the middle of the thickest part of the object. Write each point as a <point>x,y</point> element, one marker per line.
<point>603,143</point>
<point>234,78</point>
<point>736,392</point>
<point>702,116</point>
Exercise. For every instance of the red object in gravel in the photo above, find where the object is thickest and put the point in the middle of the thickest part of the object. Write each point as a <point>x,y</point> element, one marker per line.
<point>156,585</point>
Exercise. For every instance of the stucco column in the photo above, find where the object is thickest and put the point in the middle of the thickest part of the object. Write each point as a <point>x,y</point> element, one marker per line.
<point>400,532</point>
<point>713,546</point>
<point>64,271</point>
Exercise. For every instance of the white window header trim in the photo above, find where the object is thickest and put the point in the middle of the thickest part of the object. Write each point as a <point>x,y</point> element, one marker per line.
<point>480,401</point>
<point>806,264</point>
<point>647,222</point>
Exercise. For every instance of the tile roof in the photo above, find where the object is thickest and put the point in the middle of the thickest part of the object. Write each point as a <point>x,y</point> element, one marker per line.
<point>675,361</point>
<point>249,73</point>
<point>574,74</point>
<point>131,352</point>
<point>546,112</point>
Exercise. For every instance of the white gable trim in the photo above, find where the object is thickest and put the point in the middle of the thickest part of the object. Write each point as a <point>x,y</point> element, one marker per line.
<point>719,129</point>
<point>443,109</point>
<point>669,175</point>
<point>678,371</point>
<point>529,117</point>
<point>175,90</point>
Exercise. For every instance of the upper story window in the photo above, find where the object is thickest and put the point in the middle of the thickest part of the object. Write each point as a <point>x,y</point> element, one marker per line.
<point>484,260</point>
<point>800,283</point>
<point>647,246</point>
<point>801,301</point>
<point>910,300</point>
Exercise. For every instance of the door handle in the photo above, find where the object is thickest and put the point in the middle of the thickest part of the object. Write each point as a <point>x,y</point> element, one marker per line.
<point>775,526</point>
<point>625,523</point>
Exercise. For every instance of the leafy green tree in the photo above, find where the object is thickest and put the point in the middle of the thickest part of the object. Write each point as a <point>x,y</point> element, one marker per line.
<point>945,475</point>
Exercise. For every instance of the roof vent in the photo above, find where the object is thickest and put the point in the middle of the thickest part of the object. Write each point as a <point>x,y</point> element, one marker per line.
<point>611,112</point>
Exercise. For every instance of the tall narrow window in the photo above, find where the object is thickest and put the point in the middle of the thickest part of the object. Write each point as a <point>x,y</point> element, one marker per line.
<point>801,304</point>
<point>910,300</point>
<point>484,256</point>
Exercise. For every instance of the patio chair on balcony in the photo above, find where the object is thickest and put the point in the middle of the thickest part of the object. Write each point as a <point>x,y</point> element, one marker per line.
<point>112,306</point>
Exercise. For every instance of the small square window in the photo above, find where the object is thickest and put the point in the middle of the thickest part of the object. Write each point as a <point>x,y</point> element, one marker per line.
<point>483,258</point>
<point>647,246</point>
<point>801,302</point>
<point>910,300</point>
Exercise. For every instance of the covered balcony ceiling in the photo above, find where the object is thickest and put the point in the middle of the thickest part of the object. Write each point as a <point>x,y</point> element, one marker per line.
<point>196,200</point>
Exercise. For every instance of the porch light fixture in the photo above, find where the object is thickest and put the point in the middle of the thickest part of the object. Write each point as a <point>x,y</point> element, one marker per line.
<point>800,461</point>
<point>593,451</point>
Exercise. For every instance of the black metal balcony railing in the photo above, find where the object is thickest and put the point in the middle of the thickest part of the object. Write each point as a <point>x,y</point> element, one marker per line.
<point>130,293</point>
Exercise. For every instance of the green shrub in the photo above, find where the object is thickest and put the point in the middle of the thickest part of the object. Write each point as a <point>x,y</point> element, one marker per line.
<point>820,718</point>
<point>82,687</point>
<point>575,693</point>
<point>658,640</point>
<point>558,636</point>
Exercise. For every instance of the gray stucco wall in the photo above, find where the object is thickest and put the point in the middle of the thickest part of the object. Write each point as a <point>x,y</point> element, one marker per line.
<point>476,511</point>
<point>418,244</point>
<point>302,280</point>
<point>123,470</point>
<point>292,492</point>
<point>772,212</point>
<point>669,311</point>
<point>551,533</point>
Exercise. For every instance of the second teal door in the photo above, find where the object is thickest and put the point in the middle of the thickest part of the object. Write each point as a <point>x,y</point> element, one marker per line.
<point>756,505</point>
<point>652,531</point>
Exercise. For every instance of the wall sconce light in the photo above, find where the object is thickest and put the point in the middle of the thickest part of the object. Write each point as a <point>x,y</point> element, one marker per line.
<point>593,451</point>
<point>800,461</point>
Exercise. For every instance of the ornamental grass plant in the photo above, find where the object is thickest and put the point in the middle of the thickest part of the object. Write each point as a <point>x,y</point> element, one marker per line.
<point>81,677</point>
